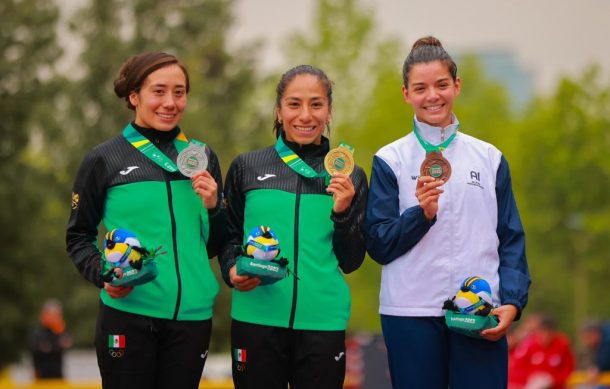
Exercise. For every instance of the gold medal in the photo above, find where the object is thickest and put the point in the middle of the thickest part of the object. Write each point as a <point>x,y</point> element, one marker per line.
<point>435,166</point>
<point>339,160</point>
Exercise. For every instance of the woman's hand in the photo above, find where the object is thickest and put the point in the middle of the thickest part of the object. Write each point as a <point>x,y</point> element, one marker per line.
<point>243,283</point>
<point>342,189</point>
<point>506,315</point>
<point>428,193</point>
<point>117,292</point>
<point>205,186</point>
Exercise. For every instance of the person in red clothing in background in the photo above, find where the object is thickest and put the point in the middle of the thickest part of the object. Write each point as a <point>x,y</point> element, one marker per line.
<point>544,360</point>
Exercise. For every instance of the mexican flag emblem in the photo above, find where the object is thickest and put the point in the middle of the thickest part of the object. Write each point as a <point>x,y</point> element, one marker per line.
<point>240,355</point>
<point>116,341</point>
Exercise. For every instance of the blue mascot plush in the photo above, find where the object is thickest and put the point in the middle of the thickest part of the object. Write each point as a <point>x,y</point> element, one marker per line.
<point>469,311</point>
<point>126,262</point>
<point>262,249</point>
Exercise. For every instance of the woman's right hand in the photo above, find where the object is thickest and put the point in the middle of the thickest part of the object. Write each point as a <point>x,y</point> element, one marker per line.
<point>117,291</point>
<point>243,283</point>
<point>428,193</point>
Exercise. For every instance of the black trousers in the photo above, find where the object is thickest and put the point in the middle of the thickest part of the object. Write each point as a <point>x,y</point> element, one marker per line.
<point>135,351</point>
<point>266,357</point>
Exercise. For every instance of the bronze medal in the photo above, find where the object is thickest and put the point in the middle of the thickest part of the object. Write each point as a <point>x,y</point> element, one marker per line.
<point>435,166</point>
<point>339,160</point>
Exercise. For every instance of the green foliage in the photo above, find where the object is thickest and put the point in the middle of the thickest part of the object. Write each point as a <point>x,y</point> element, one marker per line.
<point>28,51</point>
<point>563,181</point>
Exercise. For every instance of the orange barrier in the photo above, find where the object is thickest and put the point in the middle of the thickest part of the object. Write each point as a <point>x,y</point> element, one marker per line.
<point>580,378</point>
<point>62,384</point>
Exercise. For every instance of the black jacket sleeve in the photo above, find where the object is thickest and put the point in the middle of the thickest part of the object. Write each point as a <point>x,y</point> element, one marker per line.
<point>217,216</point>
<point>87,208</point>
<point>235,200</point>
<point>349,240</point>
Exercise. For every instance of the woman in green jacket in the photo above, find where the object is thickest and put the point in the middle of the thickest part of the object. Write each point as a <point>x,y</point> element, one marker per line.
<point>153,335</point>
<point>293,331</point>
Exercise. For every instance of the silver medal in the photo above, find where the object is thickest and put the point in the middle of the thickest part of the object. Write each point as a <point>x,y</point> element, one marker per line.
<point>192,160</point>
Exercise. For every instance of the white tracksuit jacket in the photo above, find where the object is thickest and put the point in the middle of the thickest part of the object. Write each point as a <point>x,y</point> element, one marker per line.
<point>477,230</point>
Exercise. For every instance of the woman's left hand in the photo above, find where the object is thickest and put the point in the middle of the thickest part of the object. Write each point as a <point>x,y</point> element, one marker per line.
<point>506,315</point>
<point>343,192</point>
<point>205,186</point>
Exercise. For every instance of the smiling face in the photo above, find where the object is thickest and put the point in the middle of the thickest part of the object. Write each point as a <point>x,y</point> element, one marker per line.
<point>304,110</point>
<point>431,91</point>
<point>162,99</point>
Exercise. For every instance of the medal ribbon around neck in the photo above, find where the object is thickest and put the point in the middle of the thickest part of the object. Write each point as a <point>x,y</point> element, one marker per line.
<point>295,162</point>
<point>146,147</point>
<point>434,165</point>
<point>429,147</point>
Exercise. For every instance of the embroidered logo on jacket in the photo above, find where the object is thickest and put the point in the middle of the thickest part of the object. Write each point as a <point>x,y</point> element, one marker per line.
<point>475,179</point>
<point>75,200</point>
<point>128,170</point>
<point>266,176</point>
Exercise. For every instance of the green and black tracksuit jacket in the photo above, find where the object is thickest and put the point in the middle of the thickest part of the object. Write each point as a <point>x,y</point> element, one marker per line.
<point>261,190</point>
<point>120,187</point>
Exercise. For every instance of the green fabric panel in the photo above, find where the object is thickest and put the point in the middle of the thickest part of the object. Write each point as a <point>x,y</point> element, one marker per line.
<point>143,209</point>
<point>323,300</point>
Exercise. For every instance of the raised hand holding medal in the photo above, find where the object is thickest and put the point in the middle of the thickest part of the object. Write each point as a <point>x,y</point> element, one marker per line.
<point>339,164</point>
<point>435,171</point>
<point>193,162</point>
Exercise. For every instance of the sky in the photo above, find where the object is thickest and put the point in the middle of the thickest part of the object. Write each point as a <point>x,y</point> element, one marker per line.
<point>548,38</point>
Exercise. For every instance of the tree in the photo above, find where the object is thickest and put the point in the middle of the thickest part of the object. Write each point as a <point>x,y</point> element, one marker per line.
<point>28,49</point>
<point>564,180</point>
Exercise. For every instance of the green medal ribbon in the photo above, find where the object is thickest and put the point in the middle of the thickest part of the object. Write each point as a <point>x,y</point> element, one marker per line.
<point>429,147</point>
<point>295,162</point>
<point>350,148</point>
<point>146,147</point>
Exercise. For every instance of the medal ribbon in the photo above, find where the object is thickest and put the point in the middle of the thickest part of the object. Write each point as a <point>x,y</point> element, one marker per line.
<point>429,147</point>
<point>350,148</point>
<point>146,147</point>
<point>295,162</point>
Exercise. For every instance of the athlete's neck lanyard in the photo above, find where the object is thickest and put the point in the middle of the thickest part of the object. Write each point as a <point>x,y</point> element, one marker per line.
<point>146,147</point>
<point>294,162</point>
<point>429,147</point>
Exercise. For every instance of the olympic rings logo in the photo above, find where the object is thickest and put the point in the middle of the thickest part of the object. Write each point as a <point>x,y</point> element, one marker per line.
<point>116,353</point>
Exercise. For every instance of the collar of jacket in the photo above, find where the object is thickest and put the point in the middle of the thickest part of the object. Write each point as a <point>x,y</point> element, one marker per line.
<point>436,135</point>
<point>155,136</point>
<point>310,150</point>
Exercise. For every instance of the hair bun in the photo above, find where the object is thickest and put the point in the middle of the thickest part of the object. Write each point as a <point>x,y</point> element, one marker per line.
<point>426,41</point>
<point>120,86</point>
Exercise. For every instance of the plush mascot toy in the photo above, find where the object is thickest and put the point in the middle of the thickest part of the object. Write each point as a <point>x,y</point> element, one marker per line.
<point>126,262</point>
<point>262,250</point>
<point>469,311</point>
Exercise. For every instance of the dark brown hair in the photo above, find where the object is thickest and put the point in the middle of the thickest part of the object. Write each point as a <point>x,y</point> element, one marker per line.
<point>135,70</point>
<point>425,50</point>
<point>290,75</point>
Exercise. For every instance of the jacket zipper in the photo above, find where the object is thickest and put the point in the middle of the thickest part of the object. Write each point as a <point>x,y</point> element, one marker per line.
<point>296,252</point>
<point>175,243</point>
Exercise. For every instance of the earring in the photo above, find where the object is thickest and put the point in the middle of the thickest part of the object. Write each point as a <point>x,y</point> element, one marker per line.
<point>280,121</point>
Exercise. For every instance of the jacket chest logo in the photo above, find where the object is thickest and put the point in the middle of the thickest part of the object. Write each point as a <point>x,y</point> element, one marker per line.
<point>265,176</point>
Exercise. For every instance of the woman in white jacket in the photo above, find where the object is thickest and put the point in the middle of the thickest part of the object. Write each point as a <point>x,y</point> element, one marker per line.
<point>434,223</point>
